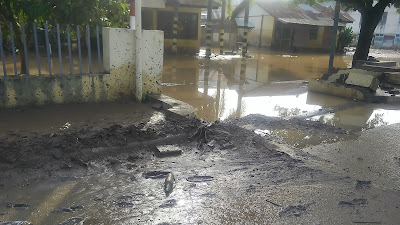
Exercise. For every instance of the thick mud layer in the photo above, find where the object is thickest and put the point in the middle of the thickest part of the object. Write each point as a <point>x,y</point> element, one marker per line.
<point>225,173</point>
<point>117,158</point>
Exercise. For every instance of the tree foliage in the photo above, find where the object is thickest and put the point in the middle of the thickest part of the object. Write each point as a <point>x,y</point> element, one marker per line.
<point>345,39</point>
<point>112,13</point>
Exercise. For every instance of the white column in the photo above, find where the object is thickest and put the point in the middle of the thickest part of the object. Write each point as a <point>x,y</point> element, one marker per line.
<point>138,35</point>
<point>132,15</point>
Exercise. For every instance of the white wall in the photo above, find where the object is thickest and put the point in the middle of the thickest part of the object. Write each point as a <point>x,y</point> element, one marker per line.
<point>255,10</point>
<point>120,61</point>
<point>256,13</point>
<point>391,27</point>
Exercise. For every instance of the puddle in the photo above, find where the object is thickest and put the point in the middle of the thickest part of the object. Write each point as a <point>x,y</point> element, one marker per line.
<point>299,139</point>
<point>360,118</point>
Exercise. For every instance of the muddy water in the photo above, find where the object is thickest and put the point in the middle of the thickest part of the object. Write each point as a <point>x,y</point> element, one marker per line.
<point>273,85</point>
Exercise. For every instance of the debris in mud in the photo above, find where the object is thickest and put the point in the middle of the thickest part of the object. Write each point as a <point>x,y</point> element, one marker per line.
<point>18,205</point>
<point>70,209</point>
<point>199,179</point>
<point>169,204</point>
<point>363,184</point>
<point>124,204</point>
<point>354,202</point>
<point>156,106</point>
<point>15,223</point>
<point>167,151</point>
<point>296,210</point>
<point>273,203</point>
<point>73,221</point>
<point>169,184</point>
<point>126,201</point>
<point>201,134</point>
<point>155,175</point>
<point>208,195</point>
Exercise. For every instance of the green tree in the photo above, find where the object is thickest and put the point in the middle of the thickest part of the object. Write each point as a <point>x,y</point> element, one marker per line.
<point>345,39</point>
<point>371,14</point>
<point>112,13</point>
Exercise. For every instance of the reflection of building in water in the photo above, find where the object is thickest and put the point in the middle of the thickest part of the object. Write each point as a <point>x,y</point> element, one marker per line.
<point>191,83</point>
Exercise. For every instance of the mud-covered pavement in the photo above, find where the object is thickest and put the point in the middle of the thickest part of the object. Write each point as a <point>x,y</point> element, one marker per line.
<point>231,172</point>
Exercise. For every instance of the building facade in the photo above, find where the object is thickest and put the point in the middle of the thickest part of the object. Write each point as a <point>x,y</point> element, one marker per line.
<point>189,23</point>
<point>281,25</point>
<point>387,33</point>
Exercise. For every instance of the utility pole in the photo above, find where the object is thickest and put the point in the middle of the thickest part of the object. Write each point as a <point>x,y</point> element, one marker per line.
<point>222,30</point>
<point>334,36</point>
<point>246,27</point>
<point>208,35</point>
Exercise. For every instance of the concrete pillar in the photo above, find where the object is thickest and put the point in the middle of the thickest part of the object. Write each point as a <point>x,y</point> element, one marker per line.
<point>208,35</point>
<point>138,37</point>
<point>246,29</point>
<point>222,30</point>
<point>175,29</point>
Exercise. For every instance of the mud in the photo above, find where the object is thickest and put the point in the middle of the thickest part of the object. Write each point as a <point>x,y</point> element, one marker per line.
<point>117,158</point>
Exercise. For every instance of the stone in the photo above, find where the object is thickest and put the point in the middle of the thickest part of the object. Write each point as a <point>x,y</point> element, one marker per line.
<point>168,150</point>
<point>156,106</point>
<point>363,80</point>
<point>175,107</point>
<point>356,77</point>
<point>392,78</point>
<point>326,87</point>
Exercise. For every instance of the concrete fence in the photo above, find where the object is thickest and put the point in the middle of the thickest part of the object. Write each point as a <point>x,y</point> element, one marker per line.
<point>118,81</point>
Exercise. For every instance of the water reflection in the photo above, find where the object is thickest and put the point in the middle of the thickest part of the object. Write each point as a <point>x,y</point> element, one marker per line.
<point>269,83</point>
<point>360,117</point>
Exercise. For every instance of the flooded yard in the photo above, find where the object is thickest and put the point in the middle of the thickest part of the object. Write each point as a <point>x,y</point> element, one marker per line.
<point>275,84</point>
<point>99,163</point>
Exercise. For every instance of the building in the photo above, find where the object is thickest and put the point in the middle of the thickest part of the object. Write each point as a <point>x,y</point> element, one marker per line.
<point>189,23</point>
<point>281,25</point>
<point>387,33</point>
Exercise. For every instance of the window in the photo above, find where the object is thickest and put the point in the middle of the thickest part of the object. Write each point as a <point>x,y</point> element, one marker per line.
<point>399,19</point>
<point>187,24</point>
<point>397,35</point>
<point>384,18</point>
<point>314,33</point>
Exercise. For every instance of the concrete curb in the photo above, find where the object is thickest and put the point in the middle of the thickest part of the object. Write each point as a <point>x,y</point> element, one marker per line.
<point>174,107</point>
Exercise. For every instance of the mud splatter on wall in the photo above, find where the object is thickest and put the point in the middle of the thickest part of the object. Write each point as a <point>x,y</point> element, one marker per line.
<point>118,82</point>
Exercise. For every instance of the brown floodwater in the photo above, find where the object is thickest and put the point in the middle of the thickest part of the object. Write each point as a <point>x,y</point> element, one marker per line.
<point>273,85</point>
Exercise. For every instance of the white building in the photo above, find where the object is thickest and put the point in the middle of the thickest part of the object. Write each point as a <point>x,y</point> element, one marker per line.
<point>387,33</point>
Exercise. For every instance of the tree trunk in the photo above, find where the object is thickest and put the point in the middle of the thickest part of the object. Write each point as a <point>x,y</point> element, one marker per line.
<point>370,19</point>
<point>20,46</point>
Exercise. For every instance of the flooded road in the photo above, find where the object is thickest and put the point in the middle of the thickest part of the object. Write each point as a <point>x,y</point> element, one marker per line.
<point>274,84</point>
<point>253,170</point>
